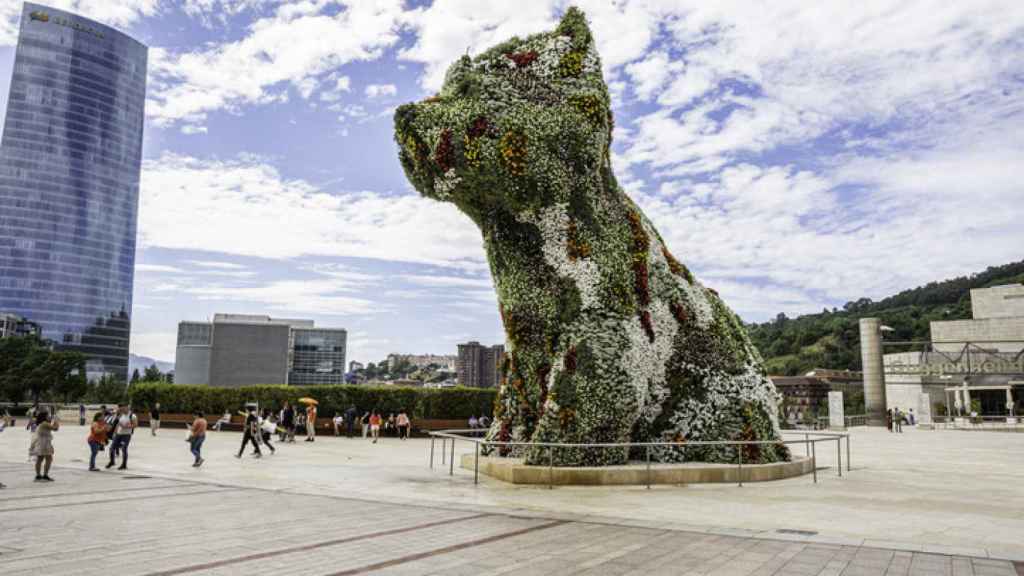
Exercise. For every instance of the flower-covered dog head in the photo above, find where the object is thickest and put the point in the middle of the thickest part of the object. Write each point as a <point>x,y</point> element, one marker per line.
<point>520,126</point>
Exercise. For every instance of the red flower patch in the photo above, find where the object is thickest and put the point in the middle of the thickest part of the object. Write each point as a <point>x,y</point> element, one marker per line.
<point>443,155</point>
<point>522,59</point>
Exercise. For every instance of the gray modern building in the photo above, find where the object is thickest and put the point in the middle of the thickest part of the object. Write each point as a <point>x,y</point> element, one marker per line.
<point>13,326</point>
<point>69,183</point>
<point>479,366</point>
<point>242,350</point>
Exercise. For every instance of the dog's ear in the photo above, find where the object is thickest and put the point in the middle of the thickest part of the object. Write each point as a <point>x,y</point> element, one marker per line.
<point>574,25</point>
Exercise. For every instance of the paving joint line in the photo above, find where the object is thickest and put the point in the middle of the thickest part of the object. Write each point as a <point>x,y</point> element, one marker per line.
<point>109,500</point>
<point>315,546</point>
<point>179,485</point>
<point>447,549</point>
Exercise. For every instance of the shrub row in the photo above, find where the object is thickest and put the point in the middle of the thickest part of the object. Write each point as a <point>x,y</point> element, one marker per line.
<point>443,403</point>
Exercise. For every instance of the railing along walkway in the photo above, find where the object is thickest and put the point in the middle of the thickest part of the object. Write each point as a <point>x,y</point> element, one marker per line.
<point>449,437</point>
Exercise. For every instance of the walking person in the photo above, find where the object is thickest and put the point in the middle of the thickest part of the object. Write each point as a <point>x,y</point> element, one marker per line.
<point>267,429</point>
<point>390,428</point>
<point>311,423</point>
<point>375,426</point>
<point>154,419</point>
<point>251,434</point>
<point>403,425</point>
<point>81,414</point>
<point>125,422</point>
<point>196,437</point>
<point>350,420</point>
<point>364,422</point>
<point>42,444</point>
<point>288,422</point>
<point>888,420</point>
<point>97,439</point>
<point>897,418</point>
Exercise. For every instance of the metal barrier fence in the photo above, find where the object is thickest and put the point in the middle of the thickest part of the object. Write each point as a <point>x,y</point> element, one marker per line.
<point>449,437</point>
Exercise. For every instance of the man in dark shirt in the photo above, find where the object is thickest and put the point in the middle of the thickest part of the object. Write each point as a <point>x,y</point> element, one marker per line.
<point>350,420</point>
<point>288,421</point>
<point>154,419</point>
<point>251,434</point>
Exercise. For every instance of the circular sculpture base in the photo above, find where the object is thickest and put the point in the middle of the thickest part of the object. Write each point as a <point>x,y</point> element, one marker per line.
<point>513,470</point>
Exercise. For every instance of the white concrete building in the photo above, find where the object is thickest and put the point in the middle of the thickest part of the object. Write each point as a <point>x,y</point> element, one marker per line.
<point>985,352</point>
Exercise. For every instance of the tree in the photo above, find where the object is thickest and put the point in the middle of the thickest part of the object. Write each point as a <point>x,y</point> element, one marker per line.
<point>152,374</point>
<point>135,376</point>
<point>108,389</point>
<point>19,358</point>
<point>65,373</point>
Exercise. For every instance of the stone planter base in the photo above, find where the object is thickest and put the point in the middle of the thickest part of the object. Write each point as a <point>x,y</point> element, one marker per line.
<point>514,471</point>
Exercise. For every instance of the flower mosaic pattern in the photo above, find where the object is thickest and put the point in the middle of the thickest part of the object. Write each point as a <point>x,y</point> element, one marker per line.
<point>610,337</point>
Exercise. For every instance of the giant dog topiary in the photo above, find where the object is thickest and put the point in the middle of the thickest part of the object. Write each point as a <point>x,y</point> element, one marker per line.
<point>610,338</point>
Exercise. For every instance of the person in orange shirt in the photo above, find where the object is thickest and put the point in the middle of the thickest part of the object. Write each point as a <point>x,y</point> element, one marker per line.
<point>375,425</point>
<point>311,423</point>
<point>97,439</point>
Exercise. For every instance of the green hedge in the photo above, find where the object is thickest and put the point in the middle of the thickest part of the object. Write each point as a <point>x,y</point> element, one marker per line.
<point>443,403</point>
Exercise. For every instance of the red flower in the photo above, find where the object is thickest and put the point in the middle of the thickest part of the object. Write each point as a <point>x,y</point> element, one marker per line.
<point>522,59</point>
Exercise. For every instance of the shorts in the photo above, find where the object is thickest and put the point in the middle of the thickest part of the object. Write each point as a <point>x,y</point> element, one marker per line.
<point>375,428</point>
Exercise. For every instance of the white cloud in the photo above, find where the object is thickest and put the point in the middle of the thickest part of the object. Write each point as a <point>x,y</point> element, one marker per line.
<point>245,207</point>
<point>157,269</point>
<point>379,90</point>
<point>333,94</point>
<point>120,14</point>
<point>159,345</point>
<point>296,45</point>
<point>217,264</point>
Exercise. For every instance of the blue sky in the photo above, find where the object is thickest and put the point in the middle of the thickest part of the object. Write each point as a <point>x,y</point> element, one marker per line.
<point>795,155</point>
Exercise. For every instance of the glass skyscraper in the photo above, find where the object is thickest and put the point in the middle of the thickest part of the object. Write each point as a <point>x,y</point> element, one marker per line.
<point>69,183</point>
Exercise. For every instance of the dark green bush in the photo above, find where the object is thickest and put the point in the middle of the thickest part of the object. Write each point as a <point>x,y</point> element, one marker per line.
<point>444,403</point>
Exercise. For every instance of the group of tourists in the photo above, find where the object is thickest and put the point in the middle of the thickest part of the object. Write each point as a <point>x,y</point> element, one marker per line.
<point>373,424</point>
<point>895,418</point>
<point>111,430</point>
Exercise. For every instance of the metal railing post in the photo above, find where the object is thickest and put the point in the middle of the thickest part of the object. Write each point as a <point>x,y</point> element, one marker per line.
<point>451,461</point>
<point>444,450</point>
<point>839,455</point>
<point>847,452</point>
<point>476,464</point>
<point>648,467</point>
<point>739,470</point>
<point>432,440</point>
<point>807,449</point>
<point>814,462</point>
<point>551,467</point>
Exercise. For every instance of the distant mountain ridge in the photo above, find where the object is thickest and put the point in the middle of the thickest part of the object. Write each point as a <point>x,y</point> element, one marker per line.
<point>831,339</point>
<point>140,363</point>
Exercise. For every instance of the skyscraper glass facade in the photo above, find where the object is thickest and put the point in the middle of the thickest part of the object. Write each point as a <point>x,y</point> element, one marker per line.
<point>69,183</point>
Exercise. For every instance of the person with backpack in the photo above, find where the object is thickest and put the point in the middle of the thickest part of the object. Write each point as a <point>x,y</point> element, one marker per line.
<point>124,422</point>
<point>251,433</point>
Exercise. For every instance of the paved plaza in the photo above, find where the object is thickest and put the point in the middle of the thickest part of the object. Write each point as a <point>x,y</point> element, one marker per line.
<point>942,502</point>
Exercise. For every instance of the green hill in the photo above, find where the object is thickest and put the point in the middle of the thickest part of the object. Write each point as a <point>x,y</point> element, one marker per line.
<point>831,339</point>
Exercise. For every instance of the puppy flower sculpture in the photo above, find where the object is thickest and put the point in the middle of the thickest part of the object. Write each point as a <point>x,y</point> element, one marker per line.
<point>611,338</point>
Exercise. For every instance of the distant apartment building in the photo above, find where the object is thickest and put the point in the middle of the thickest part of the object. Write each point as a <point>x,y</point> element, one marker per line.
<point>446,362</point>
<point>12,325</point>
<point>354,366</point>
<point>240,350</point>
<point>479,366</point>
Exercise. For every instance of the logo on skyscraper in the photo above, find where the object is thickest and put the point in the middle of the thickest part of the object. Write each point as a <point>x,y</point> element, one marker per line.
<point>41,16</point>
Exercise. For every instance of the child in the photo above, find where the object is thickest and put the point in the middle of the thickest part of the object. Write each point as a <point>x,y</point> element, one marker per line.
<point>375,426</point>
